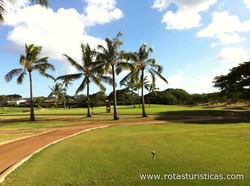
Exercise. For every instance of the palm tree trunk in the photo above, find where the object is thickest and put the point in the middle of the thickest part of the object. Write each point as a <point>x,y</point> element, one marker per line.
<point>144,114</point>
<point>114,93</point>
<point>32,114</point>
<point>56,100</point>
<point>139,98</point>
<point>149,98</point>
<point>133,96</point>
<point>64,102</point>
<point>88,102</point>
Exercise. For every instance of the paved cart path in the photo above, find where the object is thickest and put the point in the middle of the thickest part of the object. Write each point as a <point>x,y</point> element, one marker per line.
<point>13,152</point>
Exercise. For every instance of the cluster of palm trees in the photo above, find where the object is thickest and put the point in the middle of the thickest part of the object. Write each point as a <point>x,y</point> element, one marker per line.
<point>99,66</point>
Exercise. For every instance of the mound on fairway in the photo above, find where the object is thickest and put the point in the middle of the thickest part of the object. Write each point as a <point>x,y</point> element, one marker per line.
<point>121,155</point>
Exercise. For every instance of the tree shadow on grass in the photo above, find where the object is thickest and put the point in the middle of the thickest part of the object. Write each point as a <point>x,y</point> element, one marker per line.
<point>25,118</point>
<point>206,116</point>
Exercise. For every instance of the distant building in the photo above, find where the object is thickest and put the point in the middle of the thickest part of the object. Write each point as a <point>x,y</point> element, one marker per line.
<point>16,102</point>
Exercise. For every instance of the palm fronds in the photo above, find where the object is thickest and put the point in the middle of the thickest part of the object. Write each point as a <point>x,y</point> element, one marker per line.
<point>12,73</point>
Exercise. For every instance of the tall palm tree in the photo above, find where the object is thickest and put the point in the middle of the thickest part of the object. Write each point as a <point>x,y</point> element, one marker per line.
<point>114,62</point>
<point>58,91</point>
<point>90,70</point>
<point>30,62</point>
<point>2,6</point>
<point>144,64</point>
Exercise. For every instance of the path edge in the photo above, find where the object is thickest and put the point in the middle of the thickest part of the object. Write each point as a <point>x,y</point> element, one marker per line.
<point>19,163</point>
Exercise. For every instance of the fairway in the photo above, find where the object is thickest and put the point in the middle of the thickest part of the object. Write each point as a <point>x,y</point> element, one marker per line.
<point>118,155</point>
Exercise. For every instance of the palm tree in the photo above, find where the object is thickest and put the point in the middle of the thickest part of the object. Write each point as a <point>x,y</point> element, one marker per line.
<point>66,82</point>
<point>30,63</point>
<point>90,70</point>
<point>150,87</point>
<point>144,64</point>
<point>114,59</point>
<point>58,91</point>
<point>2,6</point>
<point>130,86</point>
<point>131,81</point>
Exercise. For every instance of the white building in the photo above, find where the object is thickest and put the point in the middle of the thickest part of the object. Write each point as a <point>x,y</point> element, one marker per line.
<point>16,102</point>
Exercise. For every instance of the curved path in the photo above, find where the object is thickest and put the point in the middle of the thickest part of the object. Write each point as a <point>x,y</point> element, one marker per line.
<point>16,152</point>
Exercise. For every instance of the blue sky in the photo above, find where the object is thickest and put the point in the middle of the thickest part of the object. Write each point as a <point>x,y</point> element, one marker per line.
<point>193,40</point>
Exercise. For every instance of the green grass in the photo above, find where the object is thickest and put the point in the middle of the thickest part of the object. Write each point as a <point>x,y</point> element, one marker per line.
<point>15,126</point>
<point>16,119</point>
<point>153,109</point>
<point>9,136</point>
<point>118,155</point>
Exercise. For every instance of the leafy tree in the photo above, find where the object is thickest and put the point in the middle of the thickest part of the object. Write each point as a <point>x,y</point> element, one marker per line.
<point>181,95</point>
<point>144,64</point>
<point>90,70</point>
<point>113,63</point>
<point>98,99</point>
<point>30,62</point>
<point>162,97</point>
<point>2,6</point>
<point>58,92</point>
<point>40,101</point>
<point>124,96</point>
<point>236,83</point>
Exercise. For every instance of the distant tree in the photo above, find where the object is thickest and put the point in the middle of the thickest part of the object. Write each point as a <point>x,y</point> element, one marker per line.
<point>14,96</point>
<point>98,99</point>
<point>162,97</point>
<point>81,100</point>
<point>130,85</point>
<point>144,64</point>
<point>90,70</point>
<point>2,6</point>
<point>40,101</point>
<point>124,96</point>
<point>57,91</point>
<point>181,95</point>
<point>30,62</point>
<point>66,82</point>
<point>236,83</point>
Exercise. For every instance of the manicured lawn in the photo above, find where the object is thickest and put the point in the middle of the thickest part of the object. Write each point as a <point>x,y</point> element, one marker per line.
<point>15,126</point>
<point>118,155</point>
<point>153,109</point>
<point>13,120</point>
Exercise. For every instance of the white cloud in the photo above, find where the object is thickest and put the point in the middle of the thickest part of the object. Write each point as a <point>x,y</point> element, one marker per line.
<point>161,4</point>
<point>60,31</point>
<point>214,44</point>
<point>247,3</point>
<point>225,28</point>
<point>101,12</point>
<point>188,14</point>
<point>230,38</point>
<point>193,83</point>
<point>233,56</point>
